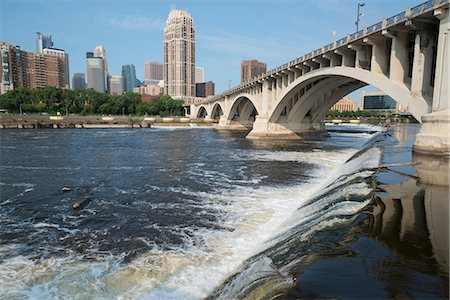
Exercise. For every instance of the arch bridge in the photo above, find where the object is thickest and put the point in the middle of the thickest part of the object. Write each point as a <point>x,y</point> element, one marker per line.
<point>406,56</point>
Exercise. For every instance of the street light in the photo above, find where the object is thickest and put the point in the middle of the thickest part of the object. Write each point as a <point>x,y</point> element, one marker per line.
<point>358,15</point>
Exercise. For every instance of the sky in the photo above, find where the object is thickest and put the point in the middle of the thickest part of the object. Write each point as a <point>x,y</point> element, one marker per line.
<point>227,31</point>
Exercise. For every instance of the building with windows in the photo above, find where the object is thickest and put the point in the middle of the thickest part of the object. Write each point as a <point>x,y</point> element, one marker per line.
<point>251,69</point>
<point>78,81</point>
<point>199,75</point>
<point>154,72</point>
<point>116,85</point>
<point>100,51</point>
<point>43,41</point>
<point>152,90</point>
<point>345,104</point>
<point>179,55</point>
<point>204,89</point>
<point>129,75</point>
<point>379,101</point>
<point>95,73</point>
<point>32,69</point>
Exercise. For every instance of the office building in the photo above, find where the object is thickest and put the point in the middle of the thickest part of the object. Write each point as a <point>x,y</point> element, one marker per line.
<point>43,41</point>
<point>100,51</point>
<point>250,69</point>
<point>95,73</point>
<point>199,75</point>
<point>60,53</point>
<point>31,69</point>
<point>152,90</point>
<point>179,55</point>
<point>379,101</point>
<point>204,89</point>
<point>78,81</point>
<point>154,72</point>
<point>129,75</point>
<point>345,104</point>
<point>116,85</point>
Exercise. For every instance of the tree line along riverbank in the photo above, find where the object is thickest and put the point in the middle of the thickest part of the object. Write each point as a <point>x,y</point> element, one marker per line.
<point>83,102</point>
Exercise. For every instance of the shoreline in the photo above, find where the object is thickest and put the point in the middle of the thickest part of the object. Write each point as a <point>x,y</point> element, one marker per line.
<point>97,121</point>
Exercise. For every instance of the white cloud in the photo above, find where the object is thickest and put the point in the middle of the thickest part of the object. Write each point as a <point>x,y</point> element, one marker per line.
<point>133,22</point>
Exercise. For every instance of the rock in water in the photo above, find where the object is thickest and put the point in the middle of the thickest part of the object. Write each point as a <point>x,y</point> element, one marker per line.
<point>81,203</point>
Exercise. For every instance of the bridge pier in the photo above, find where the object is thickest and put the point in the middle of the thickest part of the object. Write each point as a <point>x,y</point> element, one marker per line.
<point>434,135</point>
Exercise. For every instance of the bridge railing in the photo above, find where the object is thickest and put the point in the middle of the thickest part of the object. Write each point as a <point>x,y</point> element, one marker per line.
<point>369,30</point>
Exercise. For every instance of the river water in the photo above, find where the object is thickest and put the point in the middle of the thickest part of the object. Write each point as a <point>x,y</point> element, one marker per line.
<point>180,213</point>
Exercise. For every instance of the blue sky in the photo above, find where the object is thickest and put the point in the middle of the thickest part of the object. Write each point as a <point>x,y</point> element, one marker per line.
<point>272,31</point>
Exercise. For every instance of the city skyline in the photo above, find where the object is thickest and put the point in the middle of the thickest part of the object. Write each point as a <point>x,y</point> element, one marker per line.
<point>220,45</point>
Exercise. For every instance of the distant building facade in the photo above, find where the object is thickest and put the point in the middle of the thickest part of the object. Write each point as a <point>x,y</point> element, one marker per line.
<point>204,89</point>
<point>116,85</point>
<point>78,81</point>
<point>95,73</point>
<point>32,69</point>
<point>379,101</point>
<point>43,41</point>
<point>251,69</point>
<point>179,54</point>
<point>154,72</point>
<point>152,90</point>
<point>100,51</point>
<point>345,104</point>
<point>129,75</point>
<point>199,75</point>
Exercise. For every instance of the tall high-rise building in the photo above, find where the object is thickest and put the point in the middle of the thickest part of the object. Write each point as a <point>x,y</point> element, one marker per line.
<point>154,72</point>
<point>43,41</point>
<point>250,69</point>
<point>78,81</point>
<point>100,51</point>
<point>199,75</point>
<point>179,54</point>
<point>204,89</point>
<point>116,85</point>
<point>95,73</point>
<point>31,69</point>
<point>129,75</point>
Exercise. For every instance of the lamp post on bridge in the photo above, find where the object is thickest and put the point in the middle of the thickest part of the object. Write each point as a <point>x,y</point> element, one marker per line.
<point>359,15</point>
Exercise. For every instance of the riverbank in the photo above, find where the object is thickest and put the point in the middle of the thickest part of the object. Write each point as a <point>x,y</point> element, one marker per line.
<point>10,121</point>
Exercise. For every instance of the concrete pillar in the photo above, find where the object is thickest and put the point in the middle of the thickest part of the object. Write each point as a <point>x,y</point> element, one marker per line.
<point>333,58</point>
<point>380,54</point>
<point>348,56</point>
<point>399,56</point>
<point>362,56</point>
<point>434,135</point>
<point>422,64</point>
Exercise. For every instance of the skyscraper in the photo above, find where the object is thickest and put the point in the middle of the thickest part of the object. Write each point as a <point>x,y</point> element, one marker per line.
<point>99,51</point>
<point>95,73</point>
<point>43,41</point>
<point>129,75</point>
<point>154,72</point>
<point>179,54</point>
<point>31,69</point>
<point>116,85</point>
<point>199,74</point>
<point>78,81</point>
<point>250,69</point>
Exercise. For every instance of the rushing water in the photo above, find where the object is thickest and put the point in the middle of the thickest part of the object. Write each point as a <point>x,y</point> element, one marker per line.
<point>171,213</point>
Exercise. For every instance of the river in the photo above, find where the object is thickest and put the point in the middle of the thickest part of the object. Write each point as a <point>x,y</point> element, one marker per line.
<point>182,213</point>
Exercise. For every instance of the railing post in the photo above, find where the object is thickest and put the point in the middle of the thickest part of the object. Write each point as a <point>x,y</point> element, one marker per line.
<point>408,12</point>
<point>384,23</point>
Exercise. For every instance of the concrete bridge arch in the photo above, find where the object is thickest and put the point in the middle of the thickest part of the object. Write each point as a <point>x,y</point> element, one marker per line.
<point>304,102</point>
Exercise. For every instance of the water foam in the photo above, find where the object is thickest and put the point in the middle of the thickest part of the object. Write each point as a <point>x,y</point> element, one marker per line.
<point>254,215</point>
